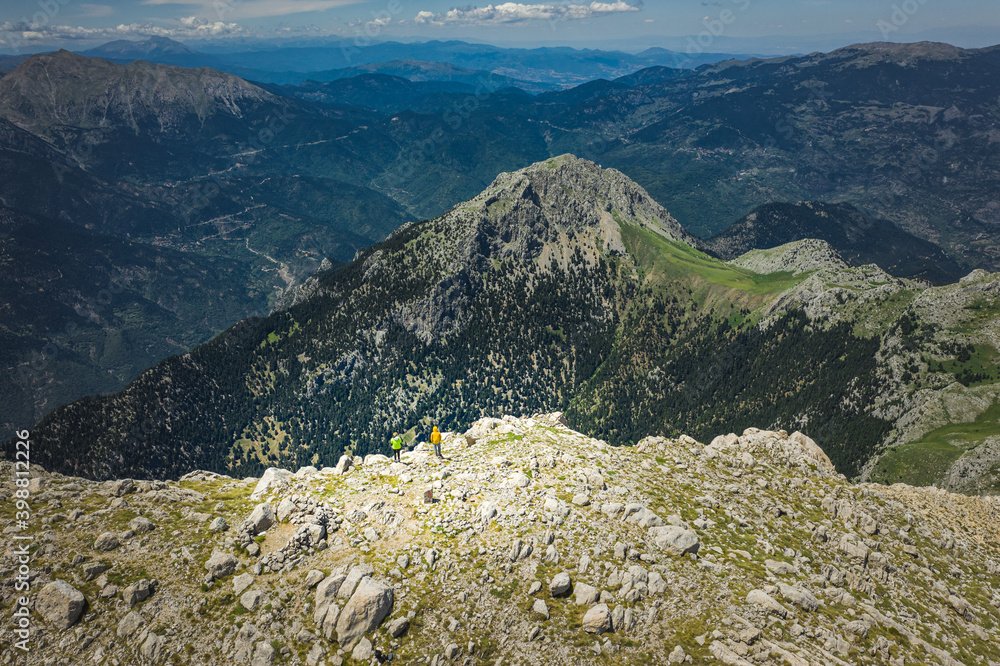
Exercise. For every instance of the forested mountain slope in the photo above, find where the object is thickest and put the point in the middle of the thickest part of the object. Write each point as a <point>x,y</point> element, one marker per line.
<point>560,286</point>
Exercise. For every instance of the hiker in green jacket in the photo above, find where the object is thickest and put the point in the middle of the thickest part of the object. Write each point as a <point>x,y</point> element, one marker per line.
<point>397,446</point>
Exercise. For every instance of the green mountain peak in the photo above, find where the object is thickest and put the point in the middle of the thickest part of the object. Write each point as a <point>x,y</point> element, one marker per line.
<point>561,287</point>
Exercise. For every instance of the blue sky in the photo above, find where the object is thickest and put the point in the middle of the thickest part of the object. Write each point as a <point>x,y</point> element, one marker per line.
<point>762,25</point>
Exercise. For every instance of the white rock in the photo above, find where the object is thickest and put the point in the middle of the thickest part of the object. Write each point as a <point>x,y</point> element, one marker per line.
<point>272,479</point>
<point>251,599</point>
<point>597,620</point>
<point>357,573</point>
<point>556,507</point>
<point>675,540</point>
<point>60,604</point>
<point>560,584</point>
<point>612,509</point>
<point>130,624</point>
<point>241,583</point>
<point>762,598</point>
<point>263,654</point>
<point>136,592</point>
<point>813,451</point>
<point>363,651</point>
<point>799,597</point>
<point>656,584</point>
<point>220,564</point>
<point>487,511</point>
<point>106,542</point>
<point>261,518</point>
<point>327,612</point>
<point>343,465</point>
<point>517,480</point>
<point>586,594</point>
<point>780,568</point>
<point>141,525</point>
<point>398,627</point>
<point>313,578</point>
<point>286,509</point>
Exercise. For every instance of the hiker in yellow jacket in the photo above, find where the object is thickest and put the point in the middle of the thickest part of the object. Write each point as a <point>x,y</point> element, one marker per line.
<point>397,446</point>
<point>436,441</point>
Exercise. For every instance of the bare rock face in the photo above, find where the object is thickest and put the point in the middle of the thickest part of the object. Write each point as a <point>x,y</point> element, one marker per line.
<point>766,601</point>
<point>137,591</point>
<point>60,604</point>
<point>343,465</point>
<point>154,648</point>
<point>130,625</point>
<point>560,584</point>
<point>370,604</point>
<point>586,594</point>
<point>801,598</point>
<point>327,611</point>
<point>813,451</point>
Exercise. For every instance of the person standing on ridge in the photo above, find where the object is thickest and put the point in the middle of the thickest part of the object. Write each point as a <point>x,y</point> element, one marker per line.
<point>436,441</point>
<point>397,446</point>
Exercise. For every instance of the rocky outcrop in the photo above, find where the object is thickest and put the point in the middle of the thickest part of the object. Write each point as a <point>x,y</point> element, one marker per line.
<point>748,549</point>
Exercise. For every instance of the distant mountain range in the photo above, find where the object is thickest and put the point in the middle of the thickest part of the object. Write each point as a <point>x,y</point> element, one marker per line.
<point>533,68</point>
<point>148,49</point>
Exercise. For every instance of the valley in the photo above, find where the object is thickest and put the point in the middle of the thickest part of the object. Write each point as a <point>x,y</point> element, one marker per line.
<point>690,344</point>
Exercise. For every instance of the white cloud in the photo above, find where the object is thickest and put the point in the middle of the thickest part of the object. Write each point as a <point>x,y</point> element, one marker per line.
<point>187,28</point>
<point>618,6</point>
<point>516,12</point>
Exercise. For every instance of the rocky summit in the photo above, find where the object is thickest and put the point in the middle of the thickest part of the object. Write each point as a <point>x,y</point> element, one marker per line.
<point>527,543</point>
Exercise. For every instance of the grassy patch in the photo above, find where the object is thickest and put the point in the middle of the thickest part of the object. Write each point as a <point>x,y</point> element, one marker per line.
<point>666,260</point>
<point>923,463</point>
<point>974,366</point>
